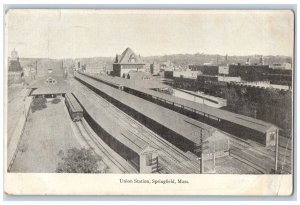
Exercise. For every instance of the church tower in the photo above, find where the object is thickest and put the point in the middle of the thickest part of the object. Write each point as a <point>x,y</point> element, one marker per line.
<point>15,70</point>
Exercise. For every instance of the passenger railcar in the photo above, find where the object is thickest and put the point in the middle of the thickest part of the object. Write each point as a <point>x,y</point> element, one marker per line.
<point>74,107</point>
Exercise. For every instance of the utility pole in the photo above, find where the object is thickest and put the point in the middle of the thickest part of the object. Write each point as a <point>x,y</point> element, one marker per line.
<point>200,154</point>
<point>276,151</point>
<point>35,69</point>
<point>214,157</point>
<point>198,150</point>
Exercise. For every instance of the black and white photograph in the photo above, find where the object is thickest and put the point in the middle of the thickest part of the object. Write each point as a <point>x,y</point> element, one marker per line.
<point>150,93</point>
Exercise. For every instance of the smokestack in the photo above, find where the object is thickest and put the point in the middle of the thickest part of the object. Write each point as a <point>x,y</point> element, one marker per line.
<point>261,60</point>
<point>248,61</point>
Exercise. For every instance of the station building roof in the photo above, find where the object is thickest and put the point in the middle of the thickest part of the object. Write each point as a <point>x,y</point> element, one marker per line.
<point>49,85</point>
<point>128,57</point>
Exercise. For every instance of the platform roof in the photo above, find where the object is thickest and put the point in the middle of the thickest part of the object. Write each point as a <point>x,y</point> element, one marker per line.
<point>180,124</point>
<point>242,120</point>
<point>127,138</point>
<point>42,88</point>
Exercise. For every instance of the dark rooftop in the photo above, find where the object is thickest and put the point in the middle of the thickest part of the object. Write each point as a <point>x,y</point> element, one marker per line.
<point>111,126</point>
<point>242,120</point>
<point>15,66</point>
<point>43,88</point>
<point>181,124</point>
<point>128,57</point>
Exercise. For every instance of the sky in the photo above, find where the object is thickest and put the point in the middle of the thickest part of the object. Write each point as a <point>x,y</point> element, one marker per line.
<point>93,33</point>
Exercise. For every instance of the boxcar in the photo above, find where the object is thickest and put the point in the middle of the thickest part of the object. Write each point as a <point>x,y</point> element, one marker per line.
<point>74,107</point>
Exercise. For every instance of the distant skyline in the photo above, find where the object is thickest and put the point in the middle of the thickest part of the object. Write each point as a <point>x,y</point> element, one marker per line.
<point>93,33</point>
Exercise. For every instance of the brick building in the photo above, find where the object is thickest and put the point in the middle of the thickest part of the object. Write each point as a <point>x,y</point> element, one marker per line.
<point>127,61</point>
<point>15,70</point>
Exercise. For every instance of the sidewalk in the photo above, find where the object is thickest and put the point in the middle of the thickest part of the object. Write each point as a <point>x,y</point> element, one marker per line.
<point>16,132</point>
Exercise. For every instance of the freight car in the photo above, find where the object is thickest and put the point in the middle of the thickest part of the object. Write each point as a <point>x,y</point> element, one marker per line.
<point>73,106</point>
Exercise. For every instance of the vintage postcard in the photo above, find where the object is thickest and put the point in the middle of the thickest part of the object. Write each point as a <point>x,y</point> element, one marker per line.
<point>148,102</point>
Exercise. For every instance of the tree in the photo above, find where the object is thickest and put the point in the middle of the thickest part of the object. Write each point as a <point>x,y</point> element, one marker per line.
<point>232,98</point>
<point>38,104</point>
<point>56,101</point>
<point>80,161</point>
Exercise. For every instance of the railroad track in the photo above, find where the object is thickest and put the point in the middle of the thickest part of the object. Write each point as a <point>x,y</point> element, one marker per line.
<point>169,155</point>
<point>109,156</point>
<point>264,158</point>
<point>285,142</point>
<point>180,157</point>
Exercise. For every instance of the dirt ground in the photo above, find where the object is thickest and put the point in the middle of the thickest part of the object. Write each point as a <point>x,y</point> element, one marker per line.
<point>15,108</point>
<point>46,132</point>
<point>229,165</point>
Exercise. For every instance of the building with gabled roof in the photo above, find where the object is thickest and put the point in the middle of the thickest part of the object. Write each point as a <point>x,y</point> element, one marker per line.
<point>127,61</point>
<point>15,70</point>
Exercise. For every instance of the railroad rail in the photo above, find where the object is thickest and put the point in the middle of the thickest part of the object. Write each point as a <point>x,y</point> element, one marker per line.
<point>249,153</point>
<point>171,159</point>
<point>244,127</point>
<point>109,157</point>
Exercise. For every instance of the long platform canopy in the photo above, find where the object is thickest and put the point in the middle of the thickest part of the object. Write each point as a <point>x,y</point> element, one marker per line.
<point>242,120</point>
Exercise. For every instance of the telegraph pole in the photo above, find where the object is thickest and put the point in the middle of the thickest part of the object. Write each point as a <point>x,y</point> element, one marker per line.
<point>200,160</point>
<point>199,152</point>
<point>276,151</point>
<point>214,157</point>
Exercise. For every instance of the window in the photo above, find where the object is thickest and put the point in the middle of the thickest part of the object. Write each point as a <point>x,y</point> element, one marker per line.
<point>50,81</point>
<point>272,136</point>
<point>149,159</point>
<point>132,59</point>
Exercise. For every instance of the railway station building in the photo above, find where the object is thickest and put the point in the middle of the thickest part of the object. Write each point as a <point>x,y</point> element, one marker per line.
<point>49,87</point>
<point>127,61</point>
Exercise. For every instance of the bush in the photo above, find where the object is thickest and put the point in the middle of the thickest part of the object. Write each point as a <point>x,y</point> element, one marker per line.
<point>80,161</point>
<point>38,104</point>
<point>56,101</point>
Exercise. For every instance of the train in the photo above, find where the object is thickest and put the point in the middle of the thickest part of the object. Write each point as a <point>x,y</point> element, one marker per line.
<point>74,108</point>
